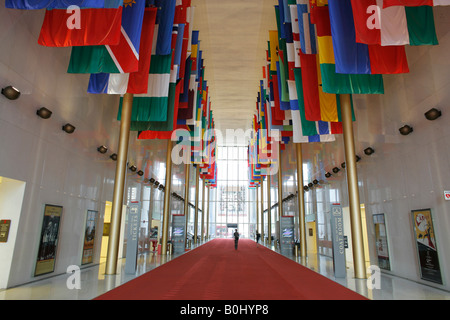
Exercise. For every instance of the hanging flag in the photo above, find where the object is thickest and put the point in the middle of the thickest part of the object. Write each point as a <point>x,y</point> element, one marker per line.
<point>377,25</point>
<point>120,58</point>
<point>58,4</point>
<point>410,3</point>
<point>421,26</point>
<point>153,106</point>
<point>333,82</point>
<point>164,129</point>
<point>66,28</point>
<point>306,28</point>
<point>135,82</point>
<point>295,34</point>
<point>164,20</point>
<point>350,57</point>
<point>301,136</point>
<point>310,86</point>
<point>393,25</point>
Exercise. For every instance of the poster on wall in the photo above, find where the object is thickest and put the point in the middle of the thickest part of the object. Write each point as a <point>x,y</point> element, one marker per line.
<point>381,241</point>
<point>89,237</point>
<point>48,241</point>
<point>426,246</point>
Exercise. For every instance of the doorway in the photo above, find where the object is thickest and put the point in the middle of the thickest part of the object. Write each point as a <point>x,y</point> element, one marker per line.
<point>11,199</point>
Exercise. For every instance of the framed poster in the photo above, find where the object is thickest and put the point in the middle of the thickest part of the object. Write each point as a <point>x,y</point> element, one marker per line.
<point>89,237</point>
<point>48,241</point>
<point>381,241</point>
<point>426,245</point>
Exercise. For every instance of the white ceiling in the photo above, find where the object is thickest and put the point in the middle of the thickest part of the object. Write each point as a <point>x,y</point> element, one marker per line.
<point>234,35</point>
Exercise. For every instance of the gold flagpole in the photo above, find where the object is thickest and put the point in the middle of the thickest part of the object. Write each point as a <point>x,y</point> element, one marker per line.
<point>187,168</point>
<point>119,184</point>
<point>208,191</point>
<point>262,210</point>
<point>353,192</point>
<point>197,191</point>
<point>257,208</point>
<point>301,201</point>
<point>269,212</point>
<point>202,227</point>
<point>280,185</point>
<point>167,194</point>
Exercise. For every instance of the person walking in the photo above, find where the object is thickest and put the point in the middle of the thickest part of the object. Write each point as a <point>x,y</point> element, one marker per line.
<point>258,236</point>
<point>236,239</point>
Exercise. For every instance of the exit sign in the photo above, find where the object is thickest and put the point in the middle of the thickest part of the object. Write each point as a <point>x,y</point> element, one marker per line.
<point>447,195</point>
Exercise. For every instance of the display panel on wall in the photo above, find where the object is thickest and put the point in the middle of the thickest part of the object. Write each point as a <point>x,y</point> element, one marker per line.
<point>89,237</point>
<point>426,245</point>
<point>381,241</point>
<point>49,240</point>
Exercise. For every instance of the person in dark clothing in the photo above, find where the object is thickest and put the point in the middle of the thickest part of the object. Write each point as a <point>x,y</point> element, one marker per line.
<point>258,236</point>
<point>236,239</point>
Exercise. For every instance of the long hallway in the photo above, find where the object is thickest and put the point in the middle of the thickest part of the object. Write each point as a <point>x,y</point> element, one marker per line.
<point>95,283</point>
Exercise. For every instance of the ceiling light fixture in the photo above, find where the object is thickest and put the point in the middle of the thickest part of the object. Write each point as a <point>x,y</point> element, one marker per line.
<point>433,114</point>
<point>68,128</point>
<point>44,113</point>
<point>133,168</point>
<point>405,130</point>
<point>343,165</point>
<point>11,93</point>
<point>336,169</point>
<point>140,173</point>
<point>113,156</point>
<point>327,175</point>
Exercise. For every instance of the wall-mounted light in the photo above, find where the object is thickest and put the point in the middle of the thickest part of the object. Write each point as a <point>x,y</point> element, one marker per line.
<point>369,151</point>
<point>405,130</point>
<point>140,173</point>
<point>102,149</point>
<point>44,113</point>
<point>68,128</point>
<point>433,114</point>
<point>113,156</point>
<point>327,175</point>
<point>133,168</point>
<point>336,169</point>
<point>11,93</point>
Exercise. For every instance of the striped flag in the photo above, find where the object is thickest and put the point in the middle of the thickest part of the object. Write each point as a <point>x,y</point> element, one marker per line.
<point>306,28</point>
<point>135,82</point>
<point>120,58</point>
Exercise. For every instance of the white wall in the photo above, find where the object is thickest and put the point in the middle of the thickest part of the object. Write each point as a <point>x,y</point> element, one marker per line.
<point>58,168</point>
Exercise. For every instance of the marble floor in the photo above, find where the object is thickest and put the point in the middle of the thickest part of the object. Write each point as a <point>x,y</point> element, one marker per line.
<point>94,282</point>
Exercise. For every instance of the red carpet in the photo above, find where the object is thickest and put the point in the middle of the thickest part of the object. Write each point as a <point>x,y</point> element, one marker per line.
<point>215,271</point>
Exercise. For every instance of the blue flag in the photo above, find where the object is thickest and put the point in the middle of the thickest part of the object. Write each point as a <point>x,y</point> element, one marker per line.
<point>164,20</point>
<point>61,4</point>
<point>351,57</point>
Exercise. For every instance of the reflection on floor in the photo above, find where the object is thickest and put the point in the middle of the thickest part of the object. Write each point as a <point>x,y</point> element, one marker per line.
<point>94,282</point>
